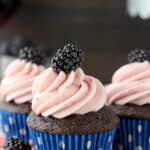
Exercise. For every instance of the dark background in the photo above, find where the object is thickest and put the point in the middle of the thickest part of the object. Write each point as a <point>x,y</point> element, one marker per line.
<point>102,27</point>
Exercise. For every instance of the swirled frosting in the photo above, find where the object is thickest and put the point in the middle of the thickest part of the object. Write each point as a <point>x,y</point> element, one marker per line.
<point>130,84</point>
<point>133,72</point>
<point>18,80</point>
<point>61,95</point>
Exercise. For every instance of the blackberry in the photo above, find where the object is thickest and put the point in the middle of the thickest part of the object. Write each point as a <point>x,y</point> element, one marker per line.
<point>16,144</point>
<point>67,59</point>
<point>139,55</point>
<point>13,45</point>
<point>33,55</point>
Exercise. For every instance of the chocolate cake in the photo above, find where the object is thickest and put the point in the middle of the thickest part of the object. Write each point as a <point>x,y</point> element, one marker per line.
<point>92,122</point>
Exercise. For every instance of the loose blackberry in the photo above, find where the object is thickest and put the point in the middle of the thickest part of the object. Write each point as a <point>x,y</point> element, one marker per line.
<point>16,144</point>
<point>68,58</point>
<point>139,55</point>
<point>33,55</point>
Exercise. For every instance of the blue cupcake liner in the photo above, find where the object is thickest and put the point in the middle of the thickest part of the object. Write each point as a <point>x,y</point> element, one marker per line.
<point>132,134</point>
<point>13,124</point>
<point>46,141</point>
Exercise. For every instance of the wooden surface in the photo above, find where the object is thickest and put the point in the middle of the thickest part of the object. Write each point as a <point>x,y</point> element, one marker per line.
<point>102,27</point>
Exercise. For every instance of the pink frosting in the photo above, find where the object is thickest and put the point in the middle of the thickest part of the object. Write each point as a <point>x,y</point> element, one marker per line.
<point>130,84</point>
<point>133,72</point>
<point>18,80</point>
<point>61,95</point>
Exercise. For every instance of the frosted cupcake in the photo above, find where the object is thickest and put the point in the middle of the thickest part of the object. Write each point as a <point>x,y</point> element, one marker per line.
<point>129,96</point>
<point>68,107</point>
<point>16,92</point>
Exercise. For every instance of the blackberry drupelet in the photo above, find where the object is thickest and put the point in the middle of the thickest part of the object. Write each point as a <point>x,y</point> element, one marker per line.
<point>68,58</point>
<point>16,144</point>
<point>32,55</point>
<point>139,55</point>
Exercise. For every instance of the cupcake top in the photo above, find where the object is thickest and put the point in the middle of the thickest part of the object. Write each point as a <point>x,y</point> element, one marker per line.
<point>18,78</point>
<point>131,82</point>
<point>64,89</point>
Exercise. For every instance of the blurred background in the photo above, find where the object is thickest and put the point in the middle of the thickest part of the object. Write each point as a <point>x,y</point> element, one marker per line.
<point>106,30</point>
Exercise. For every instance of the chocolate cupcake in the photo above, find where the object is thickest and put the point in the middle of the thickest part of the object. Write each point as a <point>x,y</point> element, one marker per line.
<point>129,97</point>
<point>69,107</point>
<point>16,92</point>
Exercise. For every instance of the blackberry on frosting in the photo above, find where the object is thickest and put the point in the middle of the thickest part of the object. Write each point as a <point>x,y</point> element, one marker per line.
<point>139,55</point>
<point>16,144</point>
<point>67,59</point>
<point>32,54</point>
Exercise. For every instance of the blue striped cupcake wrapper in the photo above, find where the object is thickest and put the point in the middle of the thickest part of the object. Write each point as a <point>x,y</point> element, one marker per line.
<point>14,125</point>
<point>132,134</point>
<point>46,141</point>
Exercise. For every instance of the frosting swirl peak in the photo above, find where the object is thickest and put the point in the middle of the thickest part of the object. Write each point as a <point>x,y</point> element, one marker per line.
<point>138,71</point>
<point>17,82</point>
<point>61,95</point>
<point>130,85</point>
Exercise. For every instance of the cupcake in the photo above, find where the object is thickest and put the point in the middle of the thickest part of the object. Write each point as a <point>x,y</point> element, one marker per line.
<point>16,92</point>
<point>129,97</point>
<point>69,111</point>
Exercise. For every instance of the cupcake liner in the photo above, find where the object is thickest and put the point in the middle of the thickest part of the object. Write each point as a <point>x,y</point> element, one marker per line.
<point>46,141</point>
<point>132,134</point>
<point>13,124</point>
